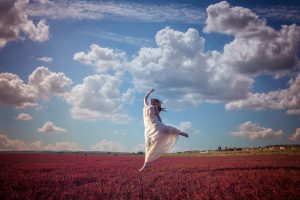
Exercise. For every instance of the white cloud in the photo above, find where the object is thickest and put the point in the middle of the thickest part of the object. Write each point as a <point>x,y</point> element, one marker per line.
<point>101,58</point>
<point>14,22</point>
<point>136,41</point>
<point>288,98</point>
<point>186,75</point>
<point>187,127</point>
<point>279,12</point>
<point>97,98</point>
<point>49,83</point>
<point>45,59</point>
<point>128,96</point>
<point>293,111</point>
<point>24,117</point>
<point>63,146</point>
<point>12,144</point>
<point>111,146</point>
<point>42,85</point>
<point>254,131</point>
<point>7,144</point>
<point>97,10</point>
<point>115,146</point>
<point>295,136</point>
<point>49,127</point>
<point>256,47</point>
<point>183,73</point>
<point>138,148</point>
<point>14,92</point>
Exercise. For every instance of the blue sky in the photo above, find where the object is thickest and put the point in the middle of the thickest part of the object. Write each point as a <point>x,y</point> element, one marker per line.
<point>74,73</point>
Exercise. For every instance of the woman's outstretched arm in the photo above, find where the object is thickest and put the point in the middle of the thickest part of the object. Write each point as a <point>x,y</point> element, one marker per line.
<point>146,97</point>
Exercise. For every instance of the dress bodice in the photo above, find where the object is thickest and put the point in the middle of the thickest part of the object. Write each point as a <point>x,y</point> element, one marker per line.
<point>149,115</point>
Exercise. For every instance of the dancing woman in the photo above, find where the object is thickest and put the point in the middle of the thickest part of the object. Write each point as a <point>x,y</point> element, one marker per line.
<point>159,138</point>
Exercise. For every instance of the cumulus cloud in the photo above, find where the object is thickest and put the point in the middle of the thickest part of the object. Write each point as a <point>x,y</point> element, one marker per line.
<point>14,92</point>
<point>184,73</point>
<point>49,127</point>
<point>115,146</point>
<point>254,131</point>
<point>14,22</point>
<point>187,127</point>
<point>288,98</point>
<point>97,10</point>
<point>45,59</point>
<point>97,98</point>
<point>24,117</point>
<point>49,83</point>
<point>101,58</point>
<point>295,136</point>
<point>256,47</point>
<point>128,96</point>
<point>42,84</point>
<point>111,146</point>
<point>8,144</point>
<point>138,148</point>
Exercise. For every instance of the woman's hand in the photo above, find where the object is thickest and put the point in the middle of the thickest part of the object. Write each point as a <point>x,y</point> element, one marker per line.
<point>146,97</point>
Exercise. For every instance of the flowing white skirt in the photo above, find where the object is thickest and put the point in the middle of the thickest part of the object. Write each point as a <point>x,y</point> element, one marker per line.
<point>159,138</point>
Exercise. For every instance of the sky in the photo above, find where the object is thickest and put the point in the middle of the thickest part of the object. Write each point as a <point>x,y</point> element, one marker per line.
<point>73,74</point>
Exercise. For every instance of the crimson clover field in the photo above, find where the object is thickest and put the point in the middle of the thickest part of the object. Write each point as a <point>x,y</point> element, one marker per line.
<point>80,176</point>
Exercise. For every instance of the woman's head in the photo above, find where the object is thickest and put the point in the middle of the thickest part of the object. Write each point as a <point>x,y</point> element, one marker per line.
<point>157,102</point>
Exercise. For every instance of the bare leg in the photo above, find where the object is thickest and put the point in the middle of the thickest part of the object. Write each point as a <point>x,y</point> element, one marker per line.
<point>184,134</point>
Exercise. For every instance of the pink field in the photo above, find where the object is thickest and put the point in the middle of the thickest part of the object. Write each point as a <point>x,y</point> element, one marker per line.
<point>67,176</point>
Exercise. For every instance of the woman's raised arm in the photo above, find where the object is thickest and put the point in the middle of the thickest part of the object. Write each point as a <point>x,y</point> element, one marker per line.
<point>146,97</point>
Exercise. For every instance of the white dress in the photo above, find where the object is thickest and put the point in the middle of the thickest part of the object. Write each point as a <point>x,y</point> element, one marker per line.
<point>159,138</point>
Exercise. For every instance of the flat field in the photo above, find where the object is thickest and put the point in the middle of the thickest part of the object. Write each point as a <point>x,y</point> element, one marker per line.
<point>78,176</point>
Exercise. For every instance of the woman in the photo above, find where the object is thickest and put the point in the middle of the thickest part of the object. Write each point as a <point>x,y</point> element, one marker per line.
<point>159,138</point>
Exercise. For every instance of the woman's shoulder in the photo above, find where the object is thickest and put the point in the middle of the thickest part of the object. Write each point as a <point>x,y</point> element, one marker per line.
<point>149,107</point>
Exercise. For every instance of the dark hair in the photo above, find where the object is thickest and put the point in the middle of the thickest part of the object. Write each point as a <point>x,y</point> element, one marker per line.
<point>157,101</point>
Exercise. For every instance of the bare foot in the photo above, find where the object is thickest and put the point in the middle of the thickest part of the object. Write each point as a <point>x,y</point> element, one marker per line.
<point>184,134</point>
<point>144,166</point>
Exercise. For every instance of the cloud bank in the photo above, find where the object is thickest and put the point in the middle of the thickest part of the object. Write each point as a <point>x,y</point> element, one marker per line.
<point>98,10</point>
<point>184,74</point>
<point>288,98</point>
<point>254,131</point>
<point>187,75</point>
<point>115,146</point>
<point>8,144</point>
<point>42,84</point>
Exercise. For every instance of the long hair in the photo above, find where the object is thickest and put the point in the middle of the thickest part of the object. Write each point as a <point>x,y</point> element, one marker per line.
<point>157,101</point>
